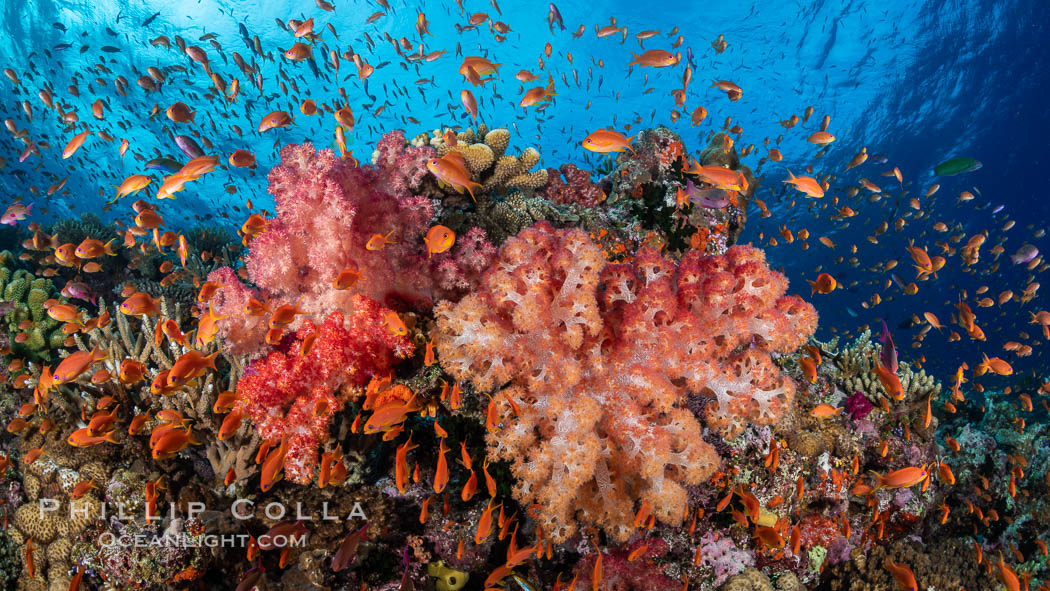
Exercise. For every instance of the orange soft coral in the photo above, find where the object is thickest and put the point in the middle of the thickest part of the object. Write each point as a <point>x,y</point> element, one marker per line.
<point>600,361</point>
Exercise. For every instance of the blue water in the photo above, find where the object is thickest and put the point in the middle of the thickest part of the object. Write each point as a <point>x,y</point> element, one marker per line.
<point>917,81</point>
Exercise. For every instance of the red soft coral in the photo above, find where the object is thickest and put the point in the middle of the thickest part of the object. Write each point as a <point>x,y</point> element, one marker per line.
<point>576,188</point>
<point>601,361</point>
<point>290,394</point>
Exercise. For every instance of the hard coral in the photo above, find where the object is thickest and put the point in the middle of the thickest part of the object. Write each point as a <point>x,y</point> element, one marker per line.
<point>601,360</point>
<point>291,394</point>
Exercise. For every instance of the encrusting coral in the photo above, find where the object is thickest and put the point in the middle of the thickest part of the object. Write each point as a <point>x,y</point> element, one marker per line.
<point>601,360</point>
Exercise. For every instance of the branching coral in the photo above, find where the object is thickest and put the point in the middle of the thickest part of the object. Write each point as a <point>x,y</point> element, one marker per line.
<point>484,152</point>
<point>133,339</point>
<point>328,213</point>
<point>294,395</point>
<point>857,374</point>
<point>601,360</point>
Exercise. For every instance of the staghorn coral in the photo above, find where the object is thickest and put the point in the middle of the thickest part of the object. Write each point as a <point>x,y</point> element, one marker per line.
<point>328,210</point>
<point>600,375</point>
<point>27,295</point>
<point>484,152</point>
<point>856,366</point>
<point>134,338</point>
<point>291,394</point>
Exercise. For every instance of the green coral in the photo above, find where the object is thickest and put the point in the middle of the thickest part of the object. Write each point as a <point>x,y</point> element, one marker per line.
<point>10,561</point>
<point>28,293</point>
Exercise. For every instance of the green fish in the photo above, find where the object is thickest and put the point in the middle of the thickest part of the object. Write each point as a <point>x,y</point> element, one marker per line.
<point>956,166</point>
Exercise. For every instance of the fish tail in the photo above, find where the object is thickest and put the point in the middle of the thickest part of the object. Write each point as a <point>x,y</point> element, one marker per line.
<point>108,248</point>
<point>879,481</point>
<point>110,437</point>
<point>470,189</point>
<point>637,60</point>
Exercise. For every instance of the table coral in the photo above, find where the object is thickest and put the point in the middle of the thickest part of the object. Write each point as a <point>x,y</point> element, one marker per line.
<point>601,361</point>
<point>291,394</point>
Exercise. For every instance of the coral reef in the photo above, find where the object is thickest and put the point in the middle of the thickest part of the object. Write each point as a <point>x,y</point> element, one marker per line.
<point>484,152</point>
<point>31,331</point>
<point>599,378</point>
<point>329,212</point>
<point>292,393</point>
<point>572,185</point>
<point>857,374</point>
<point>51,517</point>
<point>939,564</point>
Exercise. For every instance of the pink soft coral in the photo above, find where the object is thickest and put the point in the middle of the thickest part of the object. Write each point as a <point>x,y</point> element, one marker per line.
<point>290,394</point>
<point>601,360</point>
<point>644,573</point>
<point>327,210</point>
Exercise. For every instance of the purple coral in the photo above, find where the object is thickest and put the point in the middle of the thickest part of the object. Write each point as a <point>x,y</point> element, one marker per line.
<point>858,406</point>
<point>640,574</point>
<point>720,552</point>
<point>576,188</point>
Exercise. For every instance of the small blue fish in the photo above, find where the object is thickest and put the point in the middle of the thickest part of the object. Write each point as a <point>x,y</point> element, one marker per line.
<point>165,164</point>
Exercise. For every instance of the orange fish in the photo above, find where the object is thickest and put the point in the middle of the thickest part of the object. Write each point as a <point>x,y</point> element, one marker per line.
<point>656,58</point>
<point>824,284</point>
<point>903,575</point>
<point>347,278</point>
<point>74,144</point>
<point>140,304</point>
<point>75,364</point>
<point>823,411</point>
<point>84,438</point>
<point>401,464</point>
<point>807,185</point>
<point>605,141</point>
<point>903,478</point>
<point>439,239</point>
<point>451,169</point>
<point>441,475</point>
<point>276,118</point>
<point>379,241</point>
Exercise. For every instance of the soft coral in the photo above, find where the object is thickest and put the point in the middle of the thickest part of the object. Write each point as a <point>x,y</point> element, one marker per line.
<point>601,360</point>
